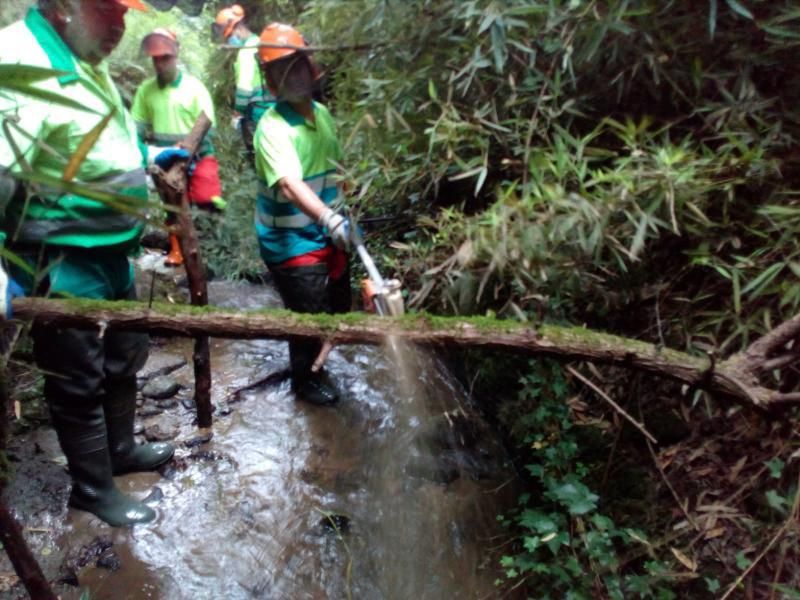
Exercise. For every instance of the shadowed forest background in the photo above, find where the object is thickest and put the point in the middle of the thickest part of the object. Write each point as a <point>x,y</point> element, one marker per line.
<point>629,166</point>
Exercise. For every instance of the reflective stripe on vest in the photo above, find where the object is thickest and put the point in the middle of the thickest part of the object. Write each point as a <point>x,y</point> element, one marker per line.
<point>46,218</point>
<point>276,210</point>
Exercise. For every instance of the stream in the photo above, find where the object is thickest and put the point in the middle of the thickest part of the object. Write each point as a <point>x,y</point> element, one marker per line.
<point>393,493</point>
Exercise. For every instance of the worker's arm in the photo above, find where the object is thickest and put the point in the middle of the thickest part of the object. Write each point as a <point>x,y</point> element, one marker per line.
<point>304,198</point>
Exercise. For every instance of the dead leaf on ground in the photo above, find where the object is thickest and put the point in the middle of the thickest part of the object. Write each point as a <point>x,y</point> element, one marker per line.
<point>684,560</point>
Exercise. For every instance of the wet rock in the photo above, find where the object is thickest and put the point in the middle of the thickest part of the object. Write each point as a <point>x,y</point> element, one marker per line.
<point>160,432</point>
<point>86,554</point>
<point>334,523</point>
<point>161,387</point>
<point>451,430</point>
<point>162,365</point>
<point>431,468</point>
<point>156,238</point>
<point>138,427</point>
<point>150,411</point>
<point>198,440</point>
<point>188,403</point>
<point>155,495</point>
<point>167,404</point>
<point>170,469</point>
<point>109,560</point>
<point>223,410</point>
<point>204,456</point>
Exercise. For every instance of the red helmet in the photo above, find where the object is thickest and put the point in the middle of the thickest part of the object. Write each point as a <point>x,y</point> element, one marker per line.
<point>160,42</point>
<point>227,19</point>
<point>135,4</point>
<point>279,33</point>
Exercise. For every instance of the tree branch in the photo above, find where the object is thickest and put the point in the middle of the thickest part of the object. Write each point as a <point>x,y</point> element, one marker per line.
<point>730,378</point>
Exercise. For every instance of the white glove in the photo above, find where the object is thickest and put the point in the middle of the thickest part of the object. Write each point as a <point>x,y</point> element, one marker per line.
<point>338,228</point>
<point>8,289</point>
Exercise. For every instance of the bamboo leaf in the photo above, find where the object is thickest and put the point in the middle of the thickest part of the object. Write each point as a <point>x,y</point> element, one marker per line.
<point>83,149</point>
<point>739,9</point>
<point>712,17</point>
<point>21,79</point>
<point>764,279</point>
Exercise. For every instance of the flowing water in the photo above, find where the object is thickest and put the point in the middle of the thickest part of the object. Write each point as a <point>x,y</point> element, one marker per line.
<point>391,494</point>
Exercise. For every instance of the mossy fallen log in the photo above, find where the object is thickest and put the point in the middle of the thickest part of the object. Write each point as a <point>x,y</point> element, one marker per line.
<point>737,377</point>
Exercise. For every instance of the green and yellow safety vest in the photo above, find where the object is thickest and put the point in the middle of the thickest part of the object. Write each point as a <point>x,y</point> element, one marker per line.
<point>252,97</point>
<point>286,145</point>
<point>165,115</point>
<point>46,133</point>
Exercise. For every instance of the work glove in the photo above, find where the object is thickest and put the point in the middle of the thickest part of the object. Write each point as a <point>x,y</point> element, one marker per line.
<point>9,289</point>
<point>219,202</point>
<point>338,228</point>
<point>168,156</point>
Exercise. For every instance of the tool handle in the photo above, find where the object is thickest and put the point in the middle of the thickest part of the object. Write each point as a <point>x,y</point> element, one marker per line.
<point>369,265</point>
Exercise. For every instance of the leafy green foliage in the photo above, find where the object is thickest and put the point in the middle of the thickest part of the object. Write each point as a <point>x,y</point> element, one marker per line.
<point>577,159</point>
<point>566,545</point>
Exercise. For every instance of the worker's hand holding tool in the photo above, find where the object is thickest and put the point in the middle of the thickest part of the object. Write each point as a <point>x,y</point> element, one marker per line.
<point>9,289</point>
<point>165,157</point>
<point>338,228</point>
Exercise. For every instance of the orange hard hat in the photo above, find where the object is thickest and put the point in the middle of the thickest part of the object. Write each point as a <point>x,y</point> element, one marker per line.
<point>228,18</point>
<point>279,33</point>
<point>135,4</point>
<point>160,42</point>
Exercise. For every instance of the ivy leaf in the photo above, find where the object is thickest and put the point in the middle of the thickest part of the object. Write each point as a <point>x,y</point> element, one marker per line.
<point>538,522</point>
<point>712,584</point>
<point>775,467</point>
<point>775,500</point>
<point>575,497</point>
<point>742,561</point>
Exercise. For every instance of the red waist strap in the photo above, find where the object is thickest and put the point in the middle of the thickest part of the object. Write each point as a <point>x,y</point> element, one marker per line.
<point>335,258</point>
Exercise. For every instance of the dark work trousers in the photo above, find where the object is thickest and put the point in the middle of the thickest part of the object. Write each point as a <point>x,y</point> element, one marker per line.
<point>248,133</point>
<point>79,364</point>
<point>309,289</point>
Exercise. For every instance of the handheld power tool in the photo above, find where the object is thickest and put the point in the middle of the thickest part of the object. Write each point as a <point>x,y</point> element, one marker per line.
<point>384,296</point>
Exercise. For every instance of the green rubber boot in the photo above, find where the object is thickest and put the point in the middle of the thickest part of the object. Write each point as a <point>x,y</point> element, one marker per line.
<point>81,431</point>
<point>119,405</point>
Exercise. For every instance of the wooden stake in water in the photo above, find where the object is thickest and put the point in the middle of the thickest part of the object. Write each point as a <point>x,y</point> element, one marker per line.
<point>173,188</point>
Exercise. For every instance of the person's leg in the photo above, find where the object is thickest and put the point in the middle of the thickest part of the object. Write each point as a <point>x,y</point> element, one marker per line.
<point>304,289</point>
<point>125,353</point>
<point>73,362</point>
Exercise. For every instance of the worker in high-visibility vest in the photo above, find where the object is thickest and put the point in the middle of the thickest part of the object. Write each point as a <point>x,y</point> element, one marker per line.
<point>301,237</point>
<point>165,108</point>
<point>253,98</point>
<point>74,245</point>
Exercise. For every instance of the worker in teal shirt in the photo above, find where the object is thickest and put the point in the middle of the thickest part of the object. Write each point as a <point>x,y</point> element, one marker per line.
<point>78,246</point>
<point>302,238</point>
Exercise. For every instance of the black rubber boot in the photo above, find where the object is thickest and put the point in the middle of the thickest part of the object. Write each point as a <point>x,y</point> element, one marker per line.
<point>119,405</point>
<point>81,431</point>
<point>315,388</point>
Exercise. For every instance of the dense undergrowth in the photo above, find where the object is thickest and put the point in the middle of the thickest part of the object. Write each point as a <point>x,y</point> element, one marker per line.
<point>631,166</point>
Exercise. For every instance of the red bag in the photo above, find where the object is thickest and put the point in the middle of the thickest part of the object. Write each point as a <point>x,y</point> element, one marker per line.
<point>205,184</point>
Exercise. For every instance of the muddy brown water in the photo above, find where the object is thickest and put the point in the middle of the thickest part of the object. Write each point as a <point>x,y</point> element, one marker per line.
<point>383,496</point>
